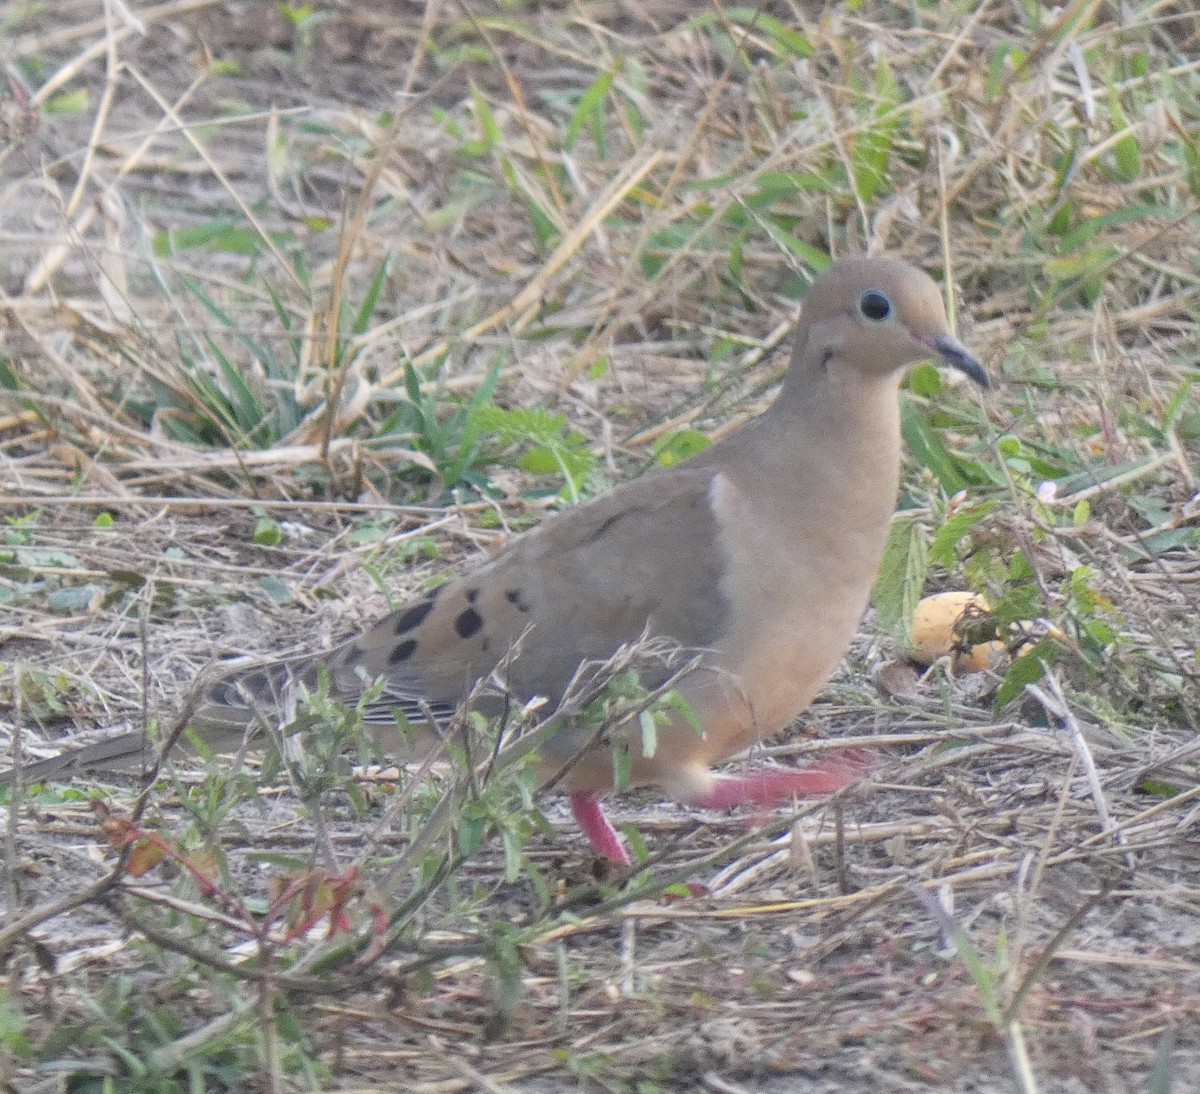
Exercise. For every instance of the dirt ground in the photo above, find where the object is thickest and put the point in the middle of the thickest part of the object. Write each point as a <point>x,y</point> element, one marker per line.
<point>808,958</point>
<point>812,950</point>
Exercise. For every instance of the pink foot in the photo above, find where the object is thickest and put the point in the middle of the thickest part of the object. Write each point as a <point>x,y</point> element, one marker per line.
<point>770,787</point>
<point>600,833</point>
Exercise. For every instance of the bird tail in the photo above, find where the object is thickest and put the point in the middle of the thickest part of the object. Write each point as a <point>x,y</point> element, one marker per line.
<point>221,716</point>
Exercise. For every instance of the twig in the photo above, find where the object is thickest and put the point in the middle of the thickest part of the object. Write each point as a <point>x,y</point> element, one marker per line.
<point>1055,704</point>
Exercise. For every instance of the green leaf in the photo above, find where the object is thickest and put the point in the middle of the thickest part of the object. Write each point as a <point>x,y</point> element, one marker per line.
<point>589,111</point>
<point>557,447</point>
<point>514,855</point>
<point>950,534</point>
<point>1126,153</point>
<point>676,701</point>
<point>1080,265</point>
<point>1191,159</point>
<point>74,598</point>
<point>788,43</point>
<point>249,412</point>
<point>489,128</point>
<point>275,589</point>
<point>267,532</point>
<point>1129,157</point>
<point>471,826</point>
<point>1170,540</point>
<point>954,472</point>
<point>1177,403</point>
<point>998,72</point>
<point>1150,785</point>
<point>69,102</point>
<point>371,300</point>
<point>544,227</point>
<point>680,445</point>
<point>215,236</point>
<point>901,578</point>
<point>1099,473</point>
<point>777,186</point>
<point>1064,266</point>
<point>1161,1078</point>
<point>622,762</point>
<point>55,557</point>
<point>295,13</point>
<point>12,1026</point>
<point>637,844</point>
<point>1029,668</point>
<point>983,977</point>
<point>813,257</point>
<point>925,380</point>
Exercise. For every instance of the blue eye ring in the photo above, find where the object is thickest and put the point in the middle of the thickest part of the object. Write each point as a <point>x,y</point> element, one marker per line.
<point>875,306</point>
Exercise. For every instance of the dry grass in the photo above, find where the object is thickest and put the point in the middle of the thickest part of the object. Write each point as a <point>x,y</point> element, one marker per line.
<point>218,226</point>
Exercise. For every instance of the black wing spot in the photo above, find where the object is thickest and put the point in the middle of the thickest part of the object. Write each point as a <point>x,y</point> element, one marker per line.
<point>413,617</point>
<point>468,623</point>
<point>402,651</point>
<point>513,596</point>
<point>472,595</point>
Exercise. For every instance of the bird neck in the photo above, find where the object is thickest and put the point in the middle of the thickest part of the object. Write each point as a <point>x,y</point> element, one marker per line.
<point>820,371</point>
<point>835,408</point>
<point>830,451</point>
<point>831,440</point>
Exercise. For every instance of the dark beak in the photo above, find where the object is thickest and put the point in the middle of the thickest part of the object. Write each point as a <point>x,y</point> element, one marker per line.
<point>956,355</point>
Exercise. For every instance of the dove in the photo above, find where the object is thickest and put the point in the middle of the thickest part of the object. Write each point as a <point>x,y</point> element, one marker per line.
<point>755,557</point>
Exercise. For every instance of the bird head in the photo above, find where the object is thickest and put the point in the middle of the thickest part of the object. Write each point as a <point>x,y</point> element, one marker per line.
<point>876,316</point>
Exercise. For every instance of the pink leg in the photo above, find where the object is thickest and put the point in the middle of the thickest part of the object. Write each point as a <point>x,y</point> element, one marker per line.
<point>600,833</point>
<point>770,787</point>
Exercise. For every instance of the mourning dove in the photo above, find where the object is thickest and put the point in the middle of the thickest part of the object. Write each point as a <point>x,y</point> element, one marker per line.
<point>756,555</point>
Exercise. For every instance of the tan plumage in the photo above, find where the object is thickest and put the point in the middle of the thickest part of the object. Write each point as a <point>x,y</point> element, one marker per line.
<point>758,555</point>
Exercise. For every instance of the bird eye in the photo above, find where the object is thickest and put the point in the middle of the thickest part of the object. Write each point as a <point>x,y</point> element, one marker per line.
<point>874,305</point>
